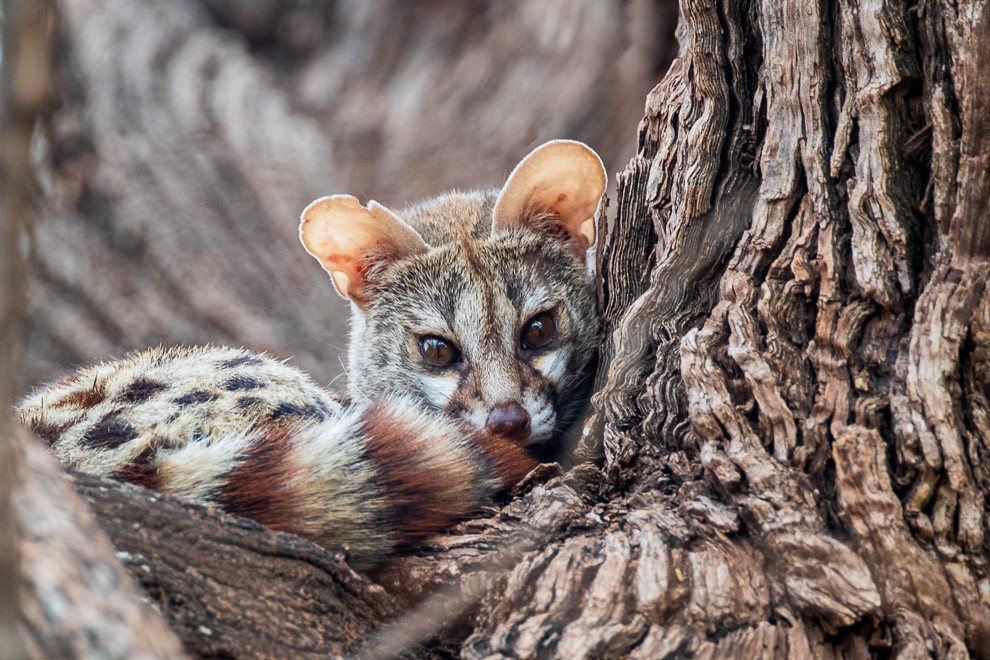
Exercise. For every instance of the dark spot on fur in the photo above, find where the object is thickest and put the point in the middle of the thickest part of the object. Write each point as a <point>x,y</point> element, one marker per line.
<point>239,383</point>
<point>86,398</point>
<point>250,401</point>
<point>317,410</point>
<point>109,433</point>
<point>196,396</point>
<point>50,433</point>
<point>286,409</point>
<point>142,470</point>
<point>141,390</point>
<point>241,361</point>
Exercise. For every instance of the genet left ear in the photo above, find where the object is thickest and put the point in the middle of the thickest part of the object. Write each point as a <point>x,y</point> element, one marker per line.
<point>350,241</point>
<point>559,184</point>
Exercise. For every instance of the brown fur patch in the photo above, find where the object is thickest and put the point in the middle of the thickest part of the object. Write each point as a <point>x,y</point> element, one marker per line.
<point>261,486</point>
<point>510,461</point>
<point>84,398</point>
<point>142,469</point>
<point>423,498</point>
<point>50,433</point>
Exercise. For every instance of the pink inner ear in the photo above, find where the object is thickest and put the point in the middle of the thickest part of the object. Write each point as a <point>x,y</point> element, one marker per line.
<point>571,203</point>
<point>563,178</point>
<point>341,281</point>
<point>348,239</point>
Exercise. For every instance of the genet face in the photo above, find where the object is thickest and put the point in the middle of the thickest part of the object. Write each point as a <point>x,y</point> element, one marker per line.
<point>498,332</point>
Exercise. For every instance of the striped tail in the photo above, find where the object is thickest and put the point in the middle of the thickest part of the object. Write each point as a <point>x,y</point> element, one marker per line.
<point>376,480</point>
<point>257,438</point>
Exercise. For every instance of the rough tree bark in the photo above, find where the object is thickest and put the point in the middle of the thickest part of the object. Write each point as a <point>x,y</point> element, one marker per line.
<point>787,454</point>
<point>828,496</point>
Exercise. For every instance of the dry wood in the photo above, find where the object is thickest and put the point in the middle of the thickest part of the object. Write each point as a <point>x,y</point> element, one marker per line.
<point>792,416</point>
<point>77,600</point>
<point>228,586</point>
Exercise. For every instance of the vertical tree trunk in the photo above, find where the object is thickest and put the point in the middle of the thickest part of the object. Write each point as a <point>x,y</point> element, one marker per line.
<point>792,413</point>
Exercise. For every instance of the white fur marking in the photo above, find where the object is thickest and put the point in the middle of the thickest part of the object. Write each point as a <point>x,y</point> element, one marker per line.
<point>535,299</point>
<point>478,418</point>
<point>438,389</point>
<point>542,418</point>
<point>553,365</point>
<point>194,470</point>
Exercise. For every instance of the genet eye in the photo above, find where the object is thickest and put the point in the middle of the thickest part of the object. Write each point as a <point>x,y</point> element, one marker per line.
<point>539,331</point>
<point>438,351</point>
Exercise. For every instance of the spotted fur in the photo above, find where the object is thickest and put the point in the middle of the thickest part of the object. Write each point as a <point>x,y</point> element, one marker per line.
<point>412,451</point>
<point>376,478</point>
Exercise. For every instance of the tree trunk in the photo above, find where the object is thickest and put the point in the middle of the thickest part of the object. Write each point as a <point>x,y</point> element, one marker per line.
<point>76,600</point>
<point>787,454</point>
<point>827,495</point>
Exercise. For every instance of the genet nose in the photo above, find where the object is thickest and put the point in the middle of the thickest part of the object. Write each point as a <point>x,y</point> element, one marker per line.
<point>509,420</point>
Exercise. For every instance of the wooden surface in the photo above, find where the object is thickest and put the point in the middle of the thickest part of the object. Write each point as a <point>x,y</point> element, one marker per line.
<point>827,496</point>
<point>791,423</point>
<point>77,598</point>
<point>228,586</point>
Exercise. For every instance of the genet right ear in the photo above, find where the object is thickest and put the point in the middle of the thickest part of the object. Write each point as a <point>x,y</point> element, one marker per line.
<point>559,184</point>
<point>350,241</point>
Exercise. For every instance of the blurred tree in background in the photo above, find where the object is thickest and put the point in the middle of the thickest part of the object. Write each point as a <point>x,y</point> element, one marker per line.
<point>788,450</point>
<point>191,134</point>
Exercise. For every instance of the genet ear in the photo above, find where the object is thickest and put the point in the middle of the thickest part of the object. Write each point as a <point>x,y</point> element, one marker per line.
<point>558,185</point>
<point>350,241</point>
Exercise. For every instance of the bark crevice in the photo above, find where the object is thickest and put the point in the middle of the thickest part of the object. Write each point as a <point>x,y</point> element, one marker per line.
<point>787,452</point>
